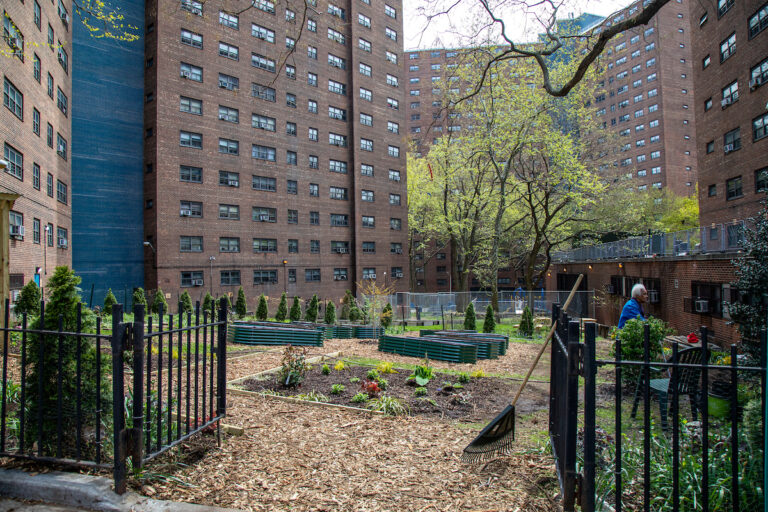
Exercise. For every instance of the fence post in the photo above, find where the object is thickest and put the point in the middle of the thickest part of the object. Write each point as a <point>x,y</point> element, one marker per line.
<point>118,400</point>
<point>553,367</point>
<point>221,367</point>
<point>572,401</point>
<point>137,439</point>
<point>590,375</point>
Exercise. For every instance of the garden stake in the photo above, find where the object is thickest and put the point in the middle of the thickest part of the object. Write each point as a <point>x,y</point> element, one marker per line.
<point>496,438</point>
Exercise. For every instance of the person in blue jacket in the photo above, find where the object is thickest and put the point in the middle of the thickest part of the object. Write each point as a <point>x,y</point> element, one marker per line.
<point>634,306</point>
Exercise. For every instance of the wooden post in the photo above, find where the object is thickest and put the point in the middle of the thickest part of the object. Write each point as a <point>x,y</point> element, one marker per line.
<point>6,203</point>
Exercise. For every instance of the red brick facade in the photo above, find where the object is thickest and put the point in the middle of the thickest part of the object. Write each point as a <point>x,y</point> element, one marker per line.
<point>34,121</point>
<point>285,200</point>
<point>676,281</point>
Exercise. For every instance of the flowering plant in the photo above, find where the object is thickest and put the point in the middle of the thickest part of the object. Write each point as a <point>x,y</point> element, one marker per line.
<point>693,339</point>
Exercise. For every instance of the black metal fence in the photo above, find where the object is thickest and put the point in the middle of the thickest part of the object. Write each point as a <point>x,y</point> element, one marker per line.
<point>703,453</point>
<point>63,397</point>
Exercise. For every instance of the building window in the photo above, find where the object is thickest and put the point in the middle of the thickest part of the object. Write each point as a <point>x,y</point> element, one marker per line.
<point>263,92</point>
<point>191,105</point>
<point>393,151</point>
<point>727,47</point>
<point>366,119</point>
<point>229,244</point>
<point>293,216</point>
<point>190,209</point>
<point>369,247</point>
<point>262,62</point>
<point>761,180</point>
<point>391,34</point>
<point>337,87</point>
<point>15,161</point>
<point>264,245</point>
<point>265,184</point>
<point>313,134</point>
<point>263,153</point>
<point>368,221</point>
<point>228,146</point>
<point>395,224</point>
<point>49,185</point>
<point>712,191</point>
<point>191,39</point>
<point>365,69</point>
<point>229,212</point>
<point>394,199</point>
<point>291,158</point>
<point>61,192</point>
<point>230,277</point>
<point>366,170</point>
<point>733,188</point>
<point>707,104</point>
<point>229,20</point>
<point>292,187</point>
<point>337,36</point>
<point>314,218</point>
<point>191,244</point>
<point>290,72</point>
<point>335,139</point>
<point>337,166</point>
<point>393,127</point>
<point>263,214</point>
<point>732,140</point>
<point>394,104</point>
<point>61,146</point>
<point>364,45</point>
<point>759,127</point>
<point>13,100</point>
<point>710,147</point>
<point>339,220</point>
<point>367,196</point>
<point>758,21</point>
<point>312,275</point>
<point>369,273</point>
<point>263,122</point>
<point>226,178</point>
<point>313,162</point>
<point>314,190</point>
<point>264,277</point>
<point>36,176</point>
<point>366,145</point>
<point>391,57</point>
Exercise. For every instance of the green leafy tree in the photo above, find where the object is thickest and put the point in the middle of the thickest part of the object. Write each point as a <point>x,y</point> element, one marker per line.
<point>346,303</point>
<point>262,310</point>
<point>526,323</point>
<point>282,309</point>
<point>633,341</point>
<point>344,315</point>
<point>226,300</point>
<point>295,310</point>
<point>109,301</point>
<point>470,319</point>
<point>750,311</point>
<point>62,307</point>
<point>489,324</point>
<point>139,297</point>
<point>159,301</point>
<point>29,300</point>
<point>241,306</point>
<point>310,315</point>
<point>355,314</point>
<point>208,303</point>
<point>386,316</point>
<point>186,302</point>
<point>330,313</point>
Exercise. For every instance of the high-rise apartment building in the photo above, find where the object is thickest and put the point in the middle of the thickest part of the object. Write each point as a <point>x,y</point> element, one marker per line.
<point>647,99</point>
<point>35,132</point>
<point>730,56</point>
<point>275,147</point>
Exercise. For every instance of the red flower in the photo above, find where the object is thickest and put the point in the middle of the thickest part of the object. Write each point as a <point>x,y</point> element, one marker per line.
<point>692,338</point>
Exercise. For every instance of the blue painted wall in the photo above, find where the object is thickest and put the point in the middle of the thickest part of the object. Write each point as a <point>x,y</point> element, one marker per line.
<point>107,159</point>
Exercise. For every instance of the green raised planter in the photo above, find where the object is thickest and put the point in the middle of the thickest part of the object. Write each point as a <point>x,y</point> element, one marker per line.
<point>718,407</point>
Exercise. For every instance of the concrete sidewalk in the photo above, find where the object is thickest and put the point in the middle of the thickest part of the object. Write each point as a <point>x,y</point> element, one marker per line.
<point>70,492</point>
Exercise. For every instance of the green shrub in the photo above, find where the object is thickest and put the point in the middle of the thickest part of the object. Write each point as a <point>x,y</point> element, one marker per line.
<point>360,398</point>
<point>389,405</point>
<point>386,316</point>
<point>489,323</point>
<point>159,302</point>
<point>526,323</point>
<point>293,367</point>
<point>282,308</point>
<point>354,314</point>
<point>186,302</point>
<point>109,301</point>
<point>420,391</point>
<point>423,373</point>
<point>383,383</point>
<point>326,370</point>
<point>337,389</point>
<point>344,315</point>
<point>295,310</point>
<point>372,375</point>
<point>330,313</point>
<point>226,300</point>
<point>354,380</point>
<point>139,297</point>
<point>29,300</point>
<point>241,305</point>
<point>208,303</point>
<point>310,315</point>
<point>462,377</point>
<point>632,338</point>
<point>262,311</point>
<point>470,320</point>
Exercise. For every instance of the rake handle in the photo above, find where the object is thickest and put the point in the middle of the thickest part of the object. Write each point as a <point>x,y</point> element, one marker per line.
<point>546,341</point>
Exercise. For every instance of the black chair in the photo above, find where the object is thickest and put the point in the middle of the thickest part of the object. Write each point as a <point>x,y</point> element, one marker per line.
<point>687,384</point>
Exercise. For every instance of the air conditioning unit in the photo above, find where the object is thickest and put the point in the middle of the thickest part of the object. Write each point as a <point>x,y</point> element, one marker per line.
<point>396,178</point>
<point>225,117</point>
<point>340,278</point>
<point>728,148</point>
<point>62,148</point>
<point>185,74</point>
<point>398,251</point>
<point>702,306</point>
<point>342,250</point>
<point>263,217</point>
<point>398,274</point>
<point>726,101</point>
<point>223,84</point>
<point>233,183</point>
<point>185,213</point>
<point>197,282</point>
<point>372,276</point>
<point>197,10</point>
<point>755,82</point>
<point>653,296</point>
<point>63,242</point>
<point>17,231</point>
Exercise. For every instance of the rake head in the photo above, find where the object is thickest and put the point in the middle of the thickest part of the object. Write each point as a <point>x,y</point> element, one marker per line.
<point>494,441</point>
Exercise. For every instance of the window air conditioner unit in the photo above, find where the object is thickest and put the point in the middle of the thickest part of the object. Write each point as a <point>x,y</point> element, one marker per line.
<point>223,84</point>
<point>197,10</point>
<point>185,74</point>
<point>62,242</point>
<point>755,82</point>
<point>224,117</point>
<point>61,148</point>
<point>185,213</point>
<point>232,183</point>
<point>197,282</point>
<point>702,306</point>
<point>653,296</point>
<point>726,101</point>
<point>342,250</point>
<point>263,217</point>
<point>398,274</point>
<point>398,251</point>
<point>728,148</point>
<point>17,231</point>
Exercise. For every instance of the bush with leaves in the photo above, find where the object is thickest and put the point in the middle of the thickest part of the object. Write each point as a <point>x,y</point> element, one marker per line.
<point>109,301</point>
<point>262,310</point>
<point>354,314</point>
<point>62,304</point>
<point>386,316</point>
<point>158,302</point>
<point>226,300</point>
<point>489,323</point>
<point>310,315</point>
<point>208,303</point>
<point>241,305</point>
<point>29,300</point>
<point>282,309</point>
<point>293,367</point>
<point>186,302</point>
<point>295,314</point>
<point>344,315</point>
<point>526,323</point>
<point>470,320</point>
<point>633,341</point>
<point>330,313</point>
<point>139,297</point>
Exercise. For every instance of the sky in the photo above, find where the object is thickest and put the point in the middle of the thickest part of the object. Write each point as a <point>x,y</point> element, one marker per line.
<point>454,29</point>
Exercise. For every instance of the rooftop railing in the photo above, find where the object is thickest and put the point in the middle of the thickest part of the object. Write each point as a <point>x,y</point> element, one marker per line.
<point>717,238</point>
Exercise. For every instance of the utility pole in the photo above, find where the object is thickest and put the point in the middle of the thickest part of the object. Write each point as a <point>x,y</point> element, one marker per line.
<point>211,259</point>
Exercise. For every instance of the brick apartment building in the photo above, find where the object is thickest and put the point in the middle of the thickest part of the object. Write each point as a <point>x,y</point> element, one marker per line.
<point>35,131</point>
<point>730,56</point>
<point>648,100</point>
<point>274,148</point>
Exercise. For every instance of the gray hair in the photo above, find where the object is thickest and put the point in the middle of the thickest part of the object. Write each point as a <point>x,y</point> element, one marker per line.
<point>637,290</point>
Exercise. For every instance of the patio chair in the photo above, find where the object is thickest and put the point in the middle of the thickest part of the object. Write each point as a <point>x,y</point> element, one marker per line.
<point>687,384</point>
